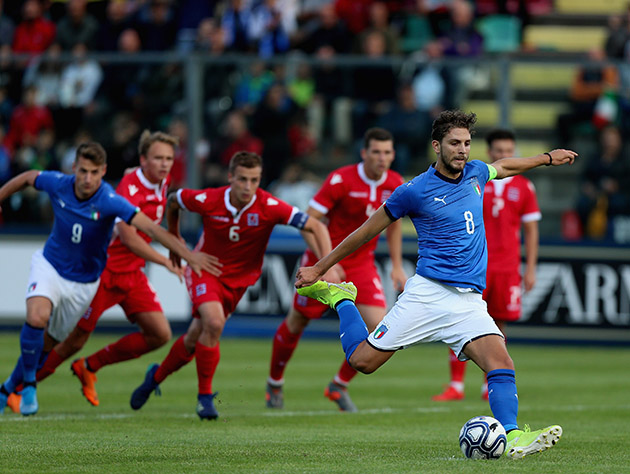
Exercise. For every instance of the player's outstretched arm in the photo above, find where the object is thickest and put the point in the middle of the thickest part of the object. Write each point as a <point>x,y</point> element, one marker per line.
<point>198,261</point>
<point>130,238</point>
<point>512,166</point>
<point>317,237</point>
<point>368,230</point>
<point>15,184</point>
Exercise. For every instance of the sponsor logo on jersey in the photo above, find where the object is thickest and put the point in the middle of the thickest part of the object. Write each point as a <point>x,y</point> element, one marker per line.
<point>380,332</point>
<point>32,287</point>
<point>357,194</point>
<point>336,179</point>
<point>272,202</point>
<point>220,218</point>
<point>442,199</point>
<point>133,189</point>
<point>152,197</point>
<point>252,219</point>
<point>475,184</point>
<point>200,289</point>
<point>201,197</point>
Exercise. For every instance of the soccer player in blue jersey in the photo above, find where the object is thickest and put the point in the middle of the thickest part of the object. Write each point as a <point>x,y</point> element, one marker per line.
<point>65,275</point>
<point>442,301</point>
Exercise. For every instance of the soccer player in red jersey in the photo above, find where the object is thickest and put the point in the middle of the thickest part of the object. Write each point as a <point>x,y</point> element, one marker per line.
<point>123,281</point>
<point>347,198</point>
<point>237,223</point>
<point>509,204</point>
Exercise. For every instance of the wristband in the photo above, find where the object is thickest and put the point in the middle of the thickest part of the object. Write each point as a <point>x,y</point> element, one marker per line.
<point>550,159</point>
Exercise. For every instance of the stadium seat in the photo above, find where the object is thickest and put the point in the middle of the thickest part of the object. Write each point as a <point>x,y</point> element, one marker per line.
<point>501,33</point>
<point>417,34</point>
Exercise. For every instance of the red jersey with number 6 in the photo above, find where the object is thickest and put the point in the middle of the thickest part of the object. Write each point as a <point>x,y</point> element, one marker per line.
<point>507,203</point>
<point>151,199</point>
<point>237,238</point>
<point>348,198</point>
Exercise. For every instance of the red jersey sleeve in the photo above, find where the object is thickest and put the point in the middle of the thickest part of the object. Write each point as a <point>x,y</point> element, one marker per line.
<point>330,192</point>
<point>278,211</point>
<point>530,211</point>
<point>193,200</point>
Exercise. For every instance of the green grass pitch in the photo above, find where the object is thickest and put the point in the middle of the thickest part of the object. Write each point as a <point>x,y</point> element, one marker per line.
<point>398,429</point>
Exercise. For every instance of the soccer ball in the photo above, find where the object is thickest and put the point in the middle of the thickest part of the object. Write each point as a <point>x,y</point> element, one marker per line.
<point>482,437</point>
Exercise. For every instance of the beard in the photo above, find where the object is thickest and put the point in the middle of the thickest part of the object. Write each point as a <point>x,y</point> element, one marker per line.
<point>452,169</point>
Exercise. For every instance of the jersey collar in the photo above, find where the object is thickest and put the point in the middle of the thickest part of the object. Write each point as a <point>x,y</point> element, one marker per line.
<point>235,213</point>
<point>157,187</point>
<point>446,178</point>
<point>373,184</point>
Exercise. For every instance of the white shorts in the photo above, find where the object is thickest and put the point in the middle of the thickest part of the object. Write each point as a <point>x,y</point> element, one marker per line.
<point>429,311</point>
<point>69,299</point>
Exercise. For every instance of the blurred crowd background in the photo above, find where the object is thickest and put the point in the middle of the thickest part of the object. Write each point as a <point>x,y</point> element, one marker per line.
<point>299,81</point>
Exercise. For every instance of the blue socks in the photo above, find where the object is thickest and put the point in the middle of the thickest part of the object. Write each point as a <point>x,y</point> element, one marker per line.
<point>503,397</point>
<point>32,343</point>
<point>352,329</point>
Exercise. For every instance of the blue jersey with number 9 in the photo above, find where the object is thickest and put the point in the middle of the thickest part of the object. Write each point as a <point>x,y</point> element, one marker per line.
<point>77,245</point>
<point>448,217</point>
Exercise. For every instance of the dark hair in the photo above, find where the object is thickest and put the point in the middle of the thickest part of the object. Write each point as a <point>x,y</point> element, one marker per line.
<point>450,119</point>
<point>91,151</point>
<point>147,139</point>
<point>378,134</point>
<point>499,134</point>
<point>245,159</point>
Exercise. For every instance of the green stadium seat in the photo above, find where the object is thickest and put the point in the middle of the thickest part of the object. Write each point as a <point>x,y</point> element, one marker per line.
<point>501,33</point>
<point>417,34</point>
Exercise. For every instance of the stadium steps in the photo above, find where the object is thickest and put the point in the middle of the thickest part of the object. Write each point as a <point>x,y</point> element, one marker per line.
<point>563,38</point>
<point>590,6</point>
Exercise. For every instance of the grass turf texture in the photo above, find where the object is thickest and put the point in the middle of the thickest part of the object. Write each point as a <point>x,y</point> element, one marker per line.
<point>398,429</point>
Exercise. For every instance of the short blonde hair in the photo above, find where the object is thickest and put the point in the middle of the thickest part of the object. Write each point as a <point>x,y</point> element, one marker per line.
<point>148,138</point>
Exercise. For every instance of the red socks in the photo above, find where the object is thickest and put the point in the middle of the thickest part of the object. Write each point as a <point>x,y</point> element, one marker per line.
<point>207,361</point>
<point>458,368</point>
<point>175,360</point>
<point>345,374</point>
<point>128,347</point>
<point>52,362</point>
<point>284,343</point>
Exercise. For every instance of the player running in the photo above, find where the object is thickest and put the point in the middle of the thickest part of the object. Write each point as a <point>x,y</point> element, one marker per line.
<point>442,301</point>
<point>237,223</point>
<point>65,275</point>
<point>347,198</point>
<point>508,204</point>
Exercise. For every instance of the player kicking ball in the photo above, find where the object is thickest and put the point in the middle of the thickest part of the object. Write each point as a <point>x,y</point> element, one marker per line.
<point>442,301</point>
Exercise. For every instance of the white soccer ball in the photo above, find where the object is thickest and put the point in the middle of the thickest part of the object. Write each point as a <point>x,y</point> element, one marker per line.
<point>482,437</point>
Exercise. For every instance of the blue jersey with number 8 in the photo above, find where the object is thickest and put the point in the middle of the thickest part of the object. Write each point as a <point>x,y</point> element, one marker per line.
<point>448,217</point>
<point>77,245</point>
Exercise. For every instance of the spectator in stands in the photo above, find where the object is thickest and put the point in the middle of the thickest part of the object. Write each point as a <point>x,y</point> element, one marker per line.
<point>270,122</point>
<point>616,36</point>
<point>327,31</point>
<point>296,186</point>
<point>34,34</point>
<point>10,75</point>
<point>116,21</point>
<point>235,21</point>
<point>374,86</point>
<point>6,172</point>
<point>77,27</point>
<point>267,30</point>
<point>236,137</point>
<point>411,128</point>
<point>354,13</point>
<point>123,150</point>
<point>210,38</point>
<point>461,40</point>
<point>27,121</point>
<point>590,82</point>
<point>79,83</point>
<point>6,109</point>
<point>44,72</point>
<point>379,21</point>
<point>438,14</point>
<point>253,86</point>
<point>7,28</point>
<point>156,26</point>
<point>605,187</point>
<point>189,16</point>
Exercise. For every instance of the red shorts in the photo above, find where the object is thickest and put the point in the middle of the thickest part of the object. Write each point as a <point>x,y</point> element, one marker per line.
<point>131,290</point>
<point>206,287</point>
<point>503,295</point>
<point>365,278</point>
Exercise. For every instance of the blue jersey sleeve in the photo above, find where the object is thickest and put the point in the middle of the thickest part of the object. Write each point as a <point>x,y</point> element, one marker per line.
<point>121,208</point>
<point>483,170</point>
<point>50,181</point>
<point>402,201</point>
